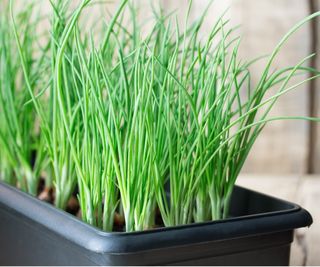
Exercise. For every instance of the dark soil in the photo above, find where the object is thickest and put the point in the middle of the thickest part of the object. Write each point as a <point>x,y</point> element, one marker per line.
<point>73,207</point>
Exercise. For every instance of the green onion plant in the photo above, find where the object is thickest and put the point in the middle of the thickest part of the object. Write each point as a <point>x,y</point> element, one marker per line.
<point>143,125</point>
<point>22,151</point>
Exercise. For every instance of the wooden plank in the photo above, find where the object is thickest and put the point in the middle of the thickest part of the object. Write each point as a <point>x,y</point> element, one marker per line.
<point>316,155</point>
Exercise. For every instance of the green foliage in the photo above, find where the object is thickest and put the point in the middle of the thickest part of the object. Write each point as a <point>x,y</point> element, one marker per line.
<point>21,153</point>
<point>126,117</point>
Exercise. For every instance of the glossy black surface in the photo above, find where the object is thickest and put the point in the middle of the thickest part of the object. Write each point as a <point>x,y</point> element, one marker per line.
<point>259,232</point>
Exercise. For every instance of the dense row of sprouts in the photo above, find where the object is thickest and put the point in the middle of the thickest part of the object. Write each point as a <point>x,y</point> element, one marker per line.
<point>138,124</point>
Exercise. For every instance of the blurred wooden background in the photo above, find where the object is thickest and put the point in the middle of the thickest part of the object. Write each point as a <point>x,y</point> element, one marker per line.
<point>284,147</point>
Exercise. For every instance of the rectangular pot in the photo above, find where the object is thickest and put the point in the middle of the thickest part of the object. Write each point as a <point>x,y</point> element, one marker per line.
<point>258,232</point>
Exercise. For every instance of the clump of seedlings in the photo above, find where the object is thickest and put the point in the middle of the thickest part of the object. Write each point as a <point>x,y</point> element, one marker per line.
<point>21,154</point>
<point>146,129</point>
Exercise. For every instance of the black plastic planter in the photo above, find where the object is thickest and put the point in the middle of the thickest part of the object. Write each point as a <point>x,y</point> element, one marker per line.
<point>259,232</point>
